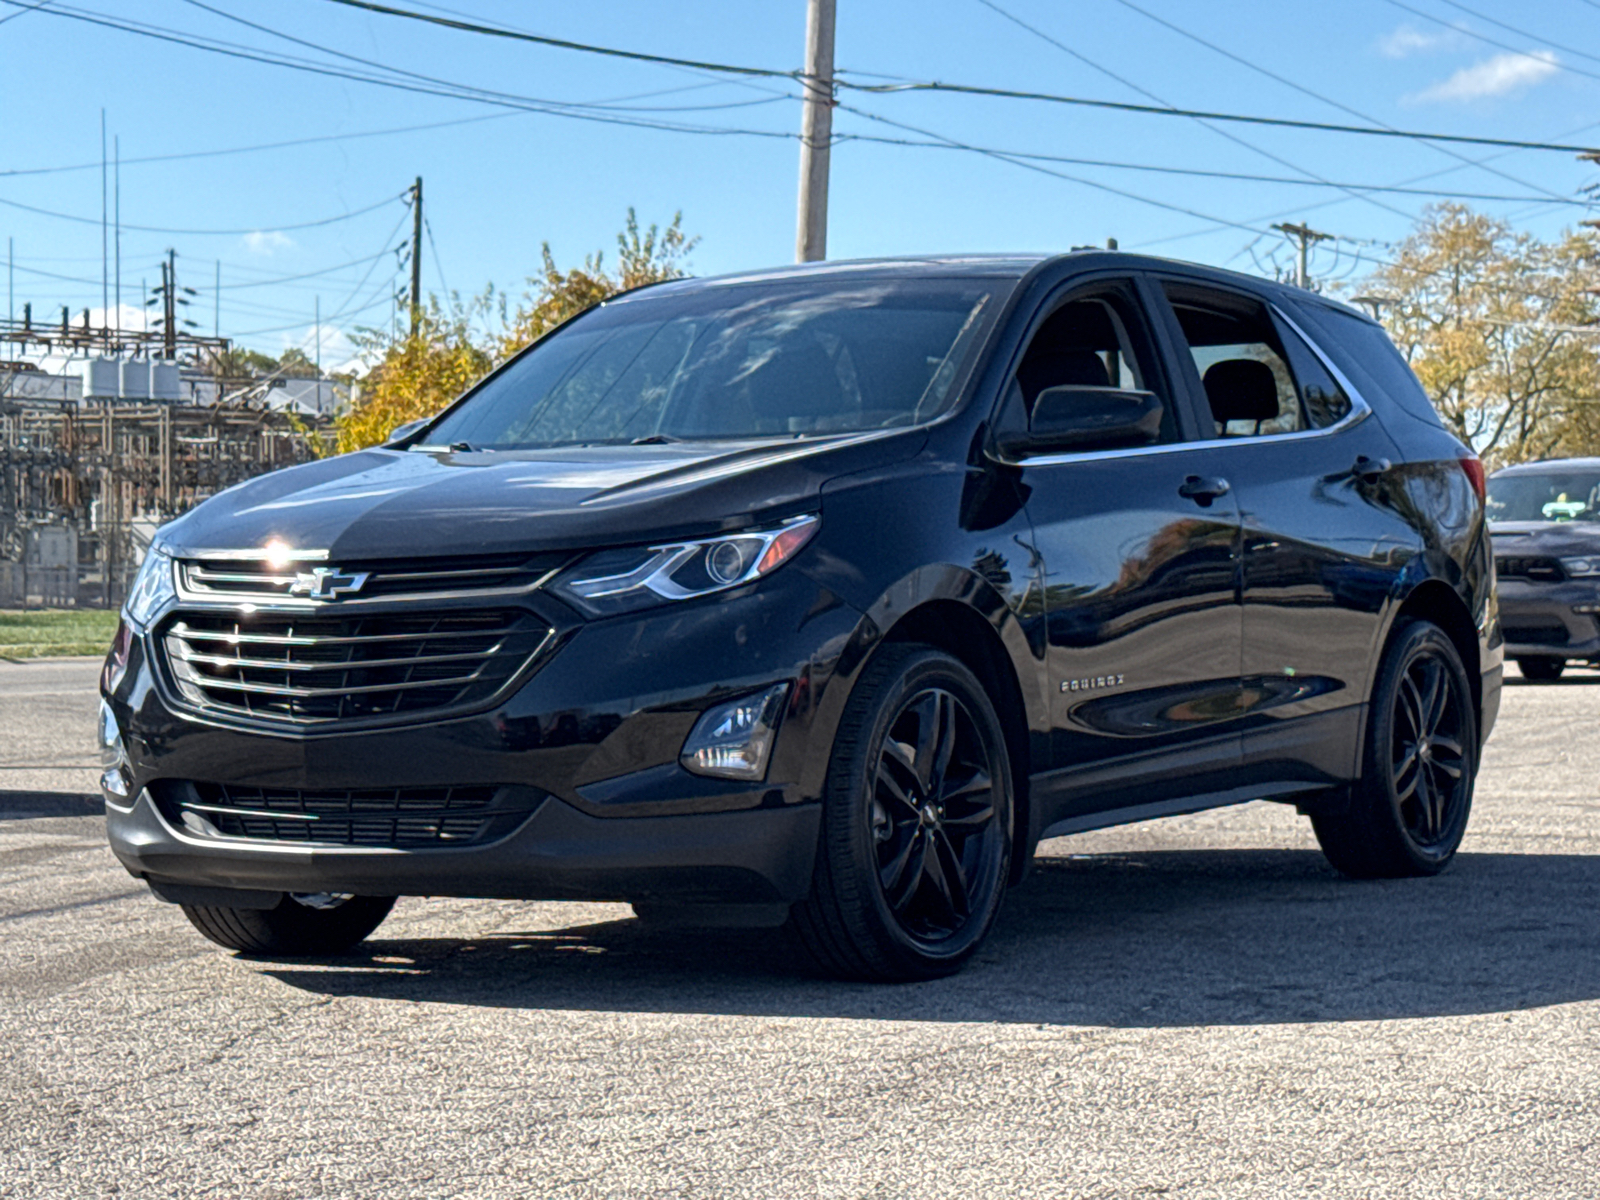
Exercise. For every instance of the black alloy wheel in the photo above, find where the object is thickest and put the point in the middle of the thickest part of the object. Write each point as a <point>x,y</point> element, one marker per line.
<point>1407,813</point>
<point>917,826</point>
<point>1427,754</point>
<point>933,814</point>
<point>1541,670</point>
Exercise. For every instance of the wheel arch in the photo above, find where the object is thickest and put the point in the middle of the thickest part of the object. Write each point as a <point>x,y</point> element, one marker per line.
<point>960,632</point>
<point>1436,601</point>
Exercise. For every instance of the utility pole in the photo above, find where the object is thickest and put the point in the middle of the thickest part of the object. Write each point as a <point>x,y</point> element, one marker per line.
<point>416,255</point>
<point>105,240</point>
<point>116,150</point>
<point>216,303</point>
<point>169,306</point>
<point>318,328</point>
<point>816,134</point>
<point>1307,237</point>
<point>11,279</point>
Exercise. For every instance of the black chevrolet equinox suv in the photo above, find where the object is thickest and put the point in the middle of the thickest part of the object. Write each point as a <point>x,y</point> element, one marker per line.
<point>817,597</point>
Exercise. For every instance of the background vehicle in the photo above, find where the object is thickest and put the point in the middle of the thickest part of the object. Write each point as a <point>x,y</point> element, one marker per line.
<point>1545,518</point>
<point>820,596</point>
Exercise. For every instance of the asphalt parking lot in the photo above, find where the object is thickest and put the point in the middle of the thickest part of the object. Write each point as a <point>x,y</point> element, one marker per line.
<point>1195,1008</point>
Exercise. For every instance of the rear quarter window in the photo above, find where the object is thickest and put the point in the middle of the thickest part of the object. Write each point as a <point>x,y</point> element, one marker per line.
<point>1364,352</point>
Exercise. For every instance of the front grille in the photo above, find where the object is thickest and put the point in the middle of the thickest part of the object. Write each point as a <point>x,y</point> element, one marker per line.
<point>260,581</point>
<point>395,818</point>
<point>1551,633</point>
<point>324,668</point>
<point>1541,570</point>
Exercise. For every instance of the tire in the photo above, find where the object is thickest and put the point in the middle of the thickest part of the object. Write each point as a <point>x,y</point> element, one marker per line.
<point>293,927</point>
<point>1408,811</point>
<point>1541,670</point>
<point>916,835</point>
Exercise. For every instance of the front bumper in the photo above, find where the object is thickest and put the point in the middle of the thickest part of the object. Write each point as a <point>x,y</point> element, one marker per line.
<point>558,853</point>
<point>593,736</point>
<point>1538,620</point>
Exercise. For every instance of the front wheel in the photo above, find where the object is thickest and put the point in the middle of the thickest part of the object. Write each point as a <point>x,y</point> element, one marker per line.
<point>1541,670</point>
<point>1408,812</point>
<point>917,823</point>
<point>301,924</point>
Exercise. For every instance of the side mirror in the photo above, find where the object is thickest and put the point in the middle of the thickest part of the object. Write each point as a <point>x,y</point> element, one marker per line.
<point>401,432</point>
<point>1074,418</point>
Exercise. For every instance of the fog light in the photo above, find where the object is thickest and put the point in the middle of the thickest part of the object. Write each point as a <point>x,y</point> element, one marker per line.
<point>113,779</point>
<point>733,739</point>
<point>1587,610</point>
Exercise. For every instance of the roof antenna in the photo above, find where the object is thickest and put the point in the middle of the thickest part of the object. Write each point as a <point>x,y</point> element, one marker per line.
<point>1111,243</point>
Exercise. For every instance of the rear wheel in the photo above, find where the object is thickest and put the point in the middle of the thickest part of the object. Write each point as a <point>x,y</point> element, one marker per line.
<point>1541,670</point>
<point>309,924</point>
<point>916,836</point>
<point>1408,811</point>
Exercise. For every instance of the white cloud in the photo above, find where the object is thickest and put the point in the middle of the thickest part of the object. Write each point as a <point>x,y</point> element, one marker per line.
<point>1497,76</point>
<point>265,243</point>
<point>1407,40</point>
<point>339,353</point>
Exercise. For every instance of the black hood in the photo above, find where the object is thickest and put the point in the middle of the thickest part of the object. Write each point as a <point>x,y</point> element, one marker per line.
<point>1550,539</point>
<point>397,503</point>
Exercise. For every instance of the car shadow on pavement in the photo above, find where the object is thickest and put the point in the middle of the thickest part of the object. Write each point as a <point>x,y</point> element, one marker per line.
<point>1172,938</point>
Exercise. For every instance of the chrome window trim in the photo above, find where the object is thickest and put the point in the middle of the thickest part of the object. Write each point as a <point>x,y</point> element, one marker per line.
<point>1360,410</point>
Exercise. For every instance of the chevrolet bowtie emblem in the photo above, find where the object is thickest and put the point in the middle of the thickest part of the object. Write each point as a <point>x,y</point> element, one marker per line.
<point>327,583</point>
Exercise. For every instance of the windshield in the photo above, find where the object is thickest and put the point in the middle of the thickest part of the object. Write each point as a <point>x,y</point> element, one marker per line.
<point>739,361</point>
<point>1545,496</point>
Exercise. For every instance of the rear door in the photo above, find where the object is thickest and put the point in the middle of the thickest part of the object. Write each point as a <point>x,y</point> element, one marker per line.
<point>1324,539</point>
<point>1139,552</point>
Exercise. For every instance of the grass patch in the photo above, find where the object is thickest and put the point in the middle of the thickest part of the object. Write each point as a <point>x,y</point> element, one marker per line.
<point>54,633</point>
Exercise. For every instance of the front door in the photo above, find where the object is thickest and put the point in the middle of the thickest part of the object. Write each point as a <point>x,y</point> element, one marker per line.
<point>1139,554</point>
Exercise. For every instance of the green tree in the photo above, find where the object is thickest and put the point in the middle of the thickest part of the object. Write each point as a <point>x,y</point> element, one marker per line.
<point>1490,320</point>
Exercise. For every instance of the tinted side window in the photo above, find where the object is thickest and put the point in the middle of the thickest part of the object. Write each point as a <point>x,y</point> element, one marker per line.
<point>1241,362</point>
<point>1365,353</point>
<point>1094,340</point>
<point>1324,400</point>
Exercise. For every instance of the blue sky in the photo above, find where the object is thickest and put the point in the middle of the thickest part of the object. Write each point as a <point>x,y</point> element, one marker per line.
<point>499,184</point>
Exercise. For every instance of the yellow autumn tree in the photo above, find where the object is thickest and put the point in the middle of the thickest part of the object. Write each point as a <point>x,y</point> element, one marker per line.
<point>555,296</point>
<point>416,375</point>
<point>1494,322</point>
<point>413,377</point>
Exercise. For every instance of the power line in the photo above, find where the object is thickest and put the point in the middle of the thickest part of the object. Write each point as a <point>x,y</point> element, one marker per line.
<point>456,92</point>
<point>1483,37</point>
<point>254,283</point>
<point>1001,156</point>
<point>587,48</point>
<point>1149,95</point>
<point>1164,111</point>
<point>367,62</point>
<point>1200,173</point>
<point>1565,49</point>
<point>48,212</point>
<point>1301,88</point>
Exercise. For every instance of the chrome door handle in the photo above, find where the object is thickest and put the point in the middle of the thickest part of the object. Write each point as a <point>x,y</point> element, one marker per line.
<point>1202,490</point>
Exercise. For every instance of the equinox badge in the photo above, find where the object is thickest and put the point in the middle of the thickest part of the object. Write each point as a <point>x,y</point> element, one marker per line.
<point>327,583</point>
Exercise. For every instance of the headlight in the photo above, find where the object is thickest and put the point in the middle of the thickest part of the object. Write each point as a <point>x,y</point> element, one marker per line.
<point>152,590</point>
<point>615,581</point>
<point>1581,566</point>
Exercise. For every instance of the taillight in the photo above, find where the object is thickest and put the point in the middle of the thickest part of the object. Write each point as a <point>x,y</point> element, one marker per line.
<point>117,660</point>
<point>1473,467</point>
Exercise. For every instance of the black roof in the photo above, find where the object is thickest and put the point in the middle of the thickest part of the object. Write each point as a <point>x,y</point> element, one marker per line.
<point>1004,266</point>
